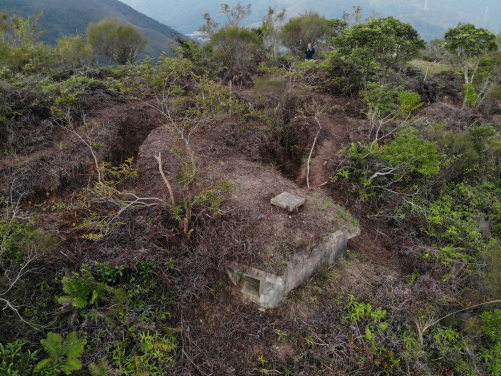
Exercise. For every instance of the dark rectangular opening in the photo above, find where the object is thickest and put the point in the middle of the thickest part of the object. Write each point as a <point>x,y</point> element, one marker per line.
<point>251,285</point>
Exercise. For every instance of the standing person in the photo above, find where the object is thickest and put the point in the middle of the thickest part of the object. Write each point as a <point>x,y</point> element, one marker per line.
<point>309,53</point>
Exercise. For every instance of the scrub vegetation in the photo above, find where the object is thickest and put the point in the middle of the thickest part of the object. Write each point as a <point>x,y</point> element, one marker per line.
<point>119,215</point>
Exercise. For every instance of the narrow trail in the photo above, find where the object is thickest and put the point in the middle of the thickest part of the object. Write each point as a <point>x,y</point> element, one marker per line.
<point>373,243</point>
<point>337,130</point>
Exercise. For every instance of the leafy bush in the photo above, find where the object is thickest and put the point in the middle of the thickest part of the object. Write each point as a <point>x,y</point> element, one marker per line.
<point>409,101</point>
<point>14,238</point>
<point>410,153</point>
<point>459,150</point>
<point>15,362</point>
<point>200,54</point>
<point>342,77</point>
<point>78,85</point>
<point>398,164</point>
<point>492,328</point>
<point>381,99</point>
<point>151,356</point>
<point>471,98</point>
<point>74,53</point>
<point>109,275</point>
<point>237,48</point>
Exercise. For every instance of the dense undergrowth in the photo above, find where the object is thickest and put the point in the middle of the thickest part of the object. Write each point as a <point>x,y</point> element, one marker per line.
<point>96,278</point>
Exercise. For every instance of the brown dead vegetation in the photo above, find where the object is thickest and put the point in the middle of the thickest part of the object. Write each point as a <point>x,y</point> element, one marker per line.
<point>221,334</point>
<point>60,161</point>
<point>279,234</point>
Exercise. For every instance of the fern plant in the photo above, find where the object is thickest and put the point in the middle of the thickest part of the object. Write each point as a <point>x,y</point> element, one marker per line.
<point>103,368</point>
<point>82,288</point>
<point>64,354</point>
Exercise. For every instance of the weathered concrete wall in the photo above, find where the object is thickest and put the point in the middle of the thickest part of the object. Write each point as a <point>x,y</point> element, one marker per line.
<point>268,290</point>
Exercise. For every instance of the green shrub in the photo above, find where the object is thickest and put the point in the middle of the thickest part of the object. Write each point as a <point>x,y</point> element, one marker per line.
<point>381,99</point>
<point>492,328</point>
<point>15,362</point>
<point>409,101</point>
<point>150,357</point>
<point>458,150</point>
<point>412,153</point>
<point>200,54</point>
<point>74,53</point>
<point>15,237</point>
<point>236,48</point>
<point>79,85</point>
<point>471,97</point>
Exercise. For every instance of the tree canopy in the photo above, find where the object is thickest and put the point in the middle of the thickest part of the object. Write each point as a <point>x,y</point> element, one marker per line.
<point>116,41</point>
<point>379,44</point>
<point>309,27</point>
<point>468,44</point>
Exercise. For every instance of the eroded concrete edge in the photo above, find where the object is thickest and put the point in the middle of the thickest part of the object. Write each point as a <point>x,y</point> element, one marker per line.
<point>268,290</point>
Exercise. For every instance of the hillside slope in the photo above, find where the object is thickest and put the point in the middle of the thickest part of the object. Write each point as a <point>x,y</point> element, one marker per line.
<point>430,18</point>
<point>69,17</point>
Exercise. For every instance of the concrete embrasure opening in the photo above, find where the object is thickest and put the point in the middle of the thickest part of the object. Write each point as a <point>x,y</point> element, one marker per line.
<point>251,285</point>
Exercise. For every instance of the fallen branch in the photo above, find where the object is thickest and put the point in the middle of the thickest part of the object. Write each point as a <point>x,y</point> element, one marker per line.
<point>311,152</point>
<point>160,168</point>
<point>422,326</point>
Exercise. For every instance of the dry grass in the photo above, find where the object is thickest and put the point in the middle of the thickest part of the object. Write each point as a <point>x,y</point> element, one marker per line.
<point>432,67</point>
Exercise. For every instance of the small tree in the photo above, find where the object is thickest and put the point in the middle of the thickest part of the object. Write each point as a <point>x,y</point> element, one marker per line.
<point>116,41</point>
<point>270,29</point>
<point>236,14</point>
<point>379,44</point>
<point>235,47</point>
<point>336,26</point>
<point>468,45</point>
<point>19,45</point>
<point>19,32</point>
<point>354,18</point>
<point>200,54</point>
<point>73,52</point>
<point>309,27</point>
<point>210,26</point>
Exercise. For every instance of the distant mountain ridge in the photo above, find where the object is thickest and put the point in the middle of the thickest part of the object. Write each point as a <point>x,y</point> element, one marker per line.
<point>430,17</point>
<point>70,17</point>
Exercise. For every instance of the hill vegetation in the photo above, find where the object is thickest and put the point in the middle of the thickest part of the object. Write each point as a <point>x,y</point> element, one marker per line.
<point>71,17</point>
<point>127,190</point>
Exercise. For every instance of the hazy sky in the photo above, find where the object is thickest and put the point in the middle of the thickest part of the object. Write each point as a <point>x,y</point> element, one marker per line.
<point>430,17</point>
